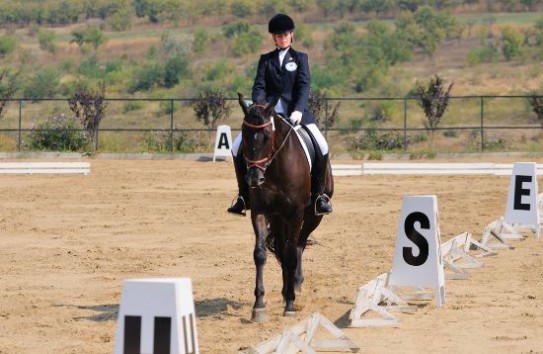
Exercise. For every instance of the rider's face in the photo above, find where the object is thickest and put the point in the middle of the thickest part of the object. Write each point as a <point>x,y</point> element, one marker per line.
<point>282,40</point>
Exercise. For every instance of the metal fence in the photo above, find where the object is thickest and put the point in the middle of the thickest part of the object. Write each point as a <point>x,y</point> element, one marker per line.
<point>471,123</point>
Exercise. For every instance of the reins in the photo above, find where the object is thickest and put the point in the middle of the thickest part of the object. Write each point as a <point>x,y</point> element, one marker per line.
<point>272,154</point>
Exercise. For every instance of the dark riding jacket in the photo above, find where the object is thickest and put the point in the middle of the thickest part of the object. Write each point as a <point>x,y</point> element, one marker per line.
<point>290,81</point>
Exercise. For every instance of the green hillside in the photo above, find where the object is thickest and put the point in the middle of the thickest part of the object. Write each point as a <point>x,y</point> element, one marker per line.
<point>357,55</point>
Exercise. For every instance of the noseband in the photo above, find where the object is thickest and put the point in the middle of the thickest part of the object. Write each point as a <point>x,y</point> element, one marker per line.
<point>272,152</point>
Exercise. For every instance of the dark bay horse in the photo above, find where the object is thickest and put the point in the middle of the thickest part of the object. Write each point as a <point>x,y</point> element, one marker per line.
<point>282,210</point>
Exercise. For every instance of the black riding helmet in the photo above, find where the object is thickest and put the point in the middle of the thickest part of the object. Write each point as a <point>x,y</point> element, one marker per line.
<point>280,23</point>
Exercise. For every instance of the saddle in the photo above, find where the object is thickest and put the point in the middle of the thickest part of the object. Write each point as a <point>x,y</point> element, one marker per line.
<point>308,143</point>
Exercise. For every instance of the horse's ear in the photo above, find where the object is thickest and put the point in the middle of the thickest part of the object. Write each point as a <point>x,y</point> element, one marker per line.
<point>242,103</point>
<point>272,104</point>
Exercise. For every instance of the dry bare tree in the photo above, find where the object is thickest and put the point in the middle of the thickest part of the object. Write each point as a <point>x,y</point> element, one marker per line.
<point>7,90</point>
<point>211,107</point>
<point>536,102</point>
<point>434,100</point>
<point>89,108</point>
<point>317,105</point>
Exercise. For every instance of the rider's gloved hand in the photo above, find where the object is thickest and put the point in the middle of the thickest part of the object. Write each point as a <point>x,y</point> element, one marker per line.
<point>295,117</point>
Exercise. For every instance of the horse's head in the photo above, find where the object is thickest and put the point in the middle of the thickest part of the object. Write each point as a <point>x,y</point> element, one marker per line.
<point>258,144</point>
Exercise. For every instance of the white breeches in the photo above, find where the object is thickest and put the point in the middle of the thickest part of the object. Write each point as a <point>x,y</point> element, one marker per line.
<point>323,145</point>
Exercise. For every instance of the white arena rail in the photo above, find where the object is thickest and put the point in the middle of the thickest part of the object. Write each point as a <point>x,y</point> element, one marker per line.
<point>44,167</point>
<point>425,168</point>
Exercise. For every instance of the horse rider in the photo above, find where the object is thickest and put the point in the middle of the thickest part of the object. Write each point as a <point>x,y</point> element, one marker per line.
<point>284,72</point>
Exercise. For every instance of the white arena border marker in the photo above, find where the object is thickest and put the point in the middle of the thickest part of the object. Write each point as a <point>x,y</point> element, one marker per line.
<point>44,168</point>
<point>223,142</point>
<point>423,168</point>
<point>500,231</point>
<point>418,261</point>
<point>456,249</point>
<point>376,297</point>
<point>157,316</point>
<point>302,338</point>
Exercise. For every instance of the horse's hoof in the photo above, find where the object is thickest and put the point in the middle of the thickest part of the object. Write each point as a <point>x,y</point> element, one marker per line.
<point>290,313</point>
<point>258,315</point>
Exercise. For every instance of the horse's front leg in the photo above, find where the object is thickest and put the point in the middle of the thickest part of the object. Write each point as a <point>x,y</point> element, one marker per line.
<point>290,265</point>
<point>260,226</point>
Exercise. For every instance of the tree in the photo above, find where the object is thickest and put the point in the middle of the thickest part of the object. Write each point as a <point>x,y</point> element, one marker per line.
<point>512,41</point>
<point>536,102</point>
<point>211,107</point>
<point>425,28</point>
<point>434,100</point>
<point>43,84</point>
<point>377,6</point>
<point>7,90</point>
<point>89,108</point>
<point>7,45</point>
<point>91,35</point>
<point>317,105</point>
<point>201,41</point>
<point>175,69</point>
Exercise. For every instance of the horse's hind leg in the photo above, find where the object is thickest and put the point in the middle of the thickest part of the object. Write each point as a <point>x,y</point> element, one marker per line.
<point>299,273</point>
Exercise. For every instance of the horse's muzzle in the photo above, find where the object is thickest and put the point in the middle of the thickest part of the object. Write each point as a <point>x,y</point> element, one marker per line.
<point>255,177</point>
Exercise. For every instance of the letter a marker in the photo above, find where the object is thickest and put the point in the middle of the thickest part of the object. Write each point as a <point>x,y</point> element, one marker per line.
<point>223,142</point>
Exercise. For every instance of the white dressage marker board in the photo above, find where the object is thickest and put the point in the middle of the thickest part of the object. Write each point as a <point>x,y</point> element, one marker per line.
<point>157,316</point>
<point>417,257</point>
<point>223,142</point>
<point>522,205</point>
<point>44,167</point>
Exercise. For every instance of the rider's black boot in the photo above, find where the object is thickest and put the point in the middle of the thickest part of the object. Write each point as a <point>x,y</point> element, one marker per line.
<point>242,200</point>
<point>323,205</point>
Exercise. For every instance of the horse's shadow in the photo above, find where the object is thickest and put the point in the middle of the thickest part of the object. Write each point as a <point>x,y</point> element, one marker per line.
<point>203,308</point>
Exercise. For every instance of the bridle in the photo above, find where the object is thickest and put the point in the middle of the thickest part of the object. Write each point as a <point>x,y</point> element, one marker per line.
<point>266,161</point>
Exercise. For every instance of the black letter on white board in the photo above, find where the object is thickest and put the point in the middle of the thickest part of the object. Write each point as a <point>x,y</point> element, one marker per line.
<point>519,192</point>
<point>162,335</point>
<point>223,141</point>
<point>132,335</point>
<point>418,239</point>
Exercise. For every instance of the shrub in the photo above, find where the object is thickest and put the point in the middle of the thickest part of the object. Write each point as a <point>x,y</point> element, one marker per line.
<point>380,141</point>
<point>159,142</point>
<point>58,133</point>
<point>486,54</point>
<point>43,84</point>
<point>175,69</point>
<point>146,77</point>
<point>46,39</point>
<point>7,45</point>
<point>133,106</point>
